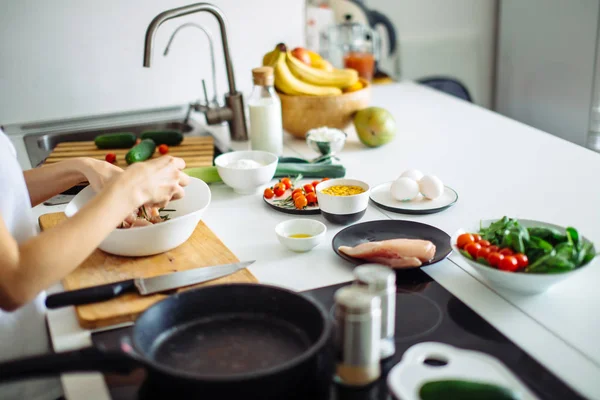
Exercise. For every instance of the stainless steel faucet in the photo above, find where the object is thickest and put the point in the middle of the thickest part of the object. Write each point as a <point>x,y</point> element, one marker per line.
<point>215,99</point>
<point>233,111</point>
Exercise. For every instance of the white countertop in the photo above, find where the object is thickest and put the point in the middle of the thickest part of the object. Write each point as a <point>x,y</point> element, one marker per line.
<point>497,166</point>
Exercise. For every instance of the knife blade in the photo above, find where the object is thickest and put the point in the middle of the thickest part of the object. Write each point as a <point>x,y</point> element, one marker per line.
<point>143,286</point>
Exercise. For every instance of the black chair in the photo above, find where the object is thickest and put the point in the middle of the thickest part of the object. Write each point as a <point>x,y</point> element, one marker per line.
<point>449,86</point>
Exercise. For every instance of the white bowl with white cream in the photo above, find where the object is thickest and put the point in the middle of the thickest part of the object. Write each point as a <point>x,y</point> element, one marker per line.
<point>246,171</point>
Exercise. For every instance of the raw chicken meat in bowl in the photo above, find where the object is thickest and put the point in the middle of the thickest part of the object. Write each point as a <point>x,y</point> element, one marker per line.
<point>153,236</point>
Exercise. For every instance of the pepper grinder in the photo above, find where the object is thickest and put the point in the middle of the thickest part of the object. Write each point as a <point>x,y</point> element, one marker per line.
<point>357,339</point>
<point>381,281</point>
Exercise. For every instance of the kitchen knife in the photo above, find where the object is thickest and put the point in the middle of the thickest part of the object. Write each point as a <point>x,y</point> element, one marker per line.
<point>143,286</point>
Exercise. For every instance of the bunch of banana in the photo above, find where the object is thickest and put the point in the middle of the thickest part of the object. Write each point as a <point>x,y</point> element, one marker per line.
<point>288,83</point>
<point>293,77</point>
<point>340,78</point>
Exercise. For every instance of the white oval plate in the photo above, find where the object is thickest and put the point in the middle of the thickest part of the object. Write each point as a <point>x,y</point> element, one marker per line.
<point>381,196</point>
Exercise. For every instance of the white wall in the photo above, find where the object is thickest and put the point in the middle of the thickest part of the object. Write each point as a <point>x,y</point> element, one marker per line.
<point>442,37</point>
<point>546,64</point>
<point>69,58</point>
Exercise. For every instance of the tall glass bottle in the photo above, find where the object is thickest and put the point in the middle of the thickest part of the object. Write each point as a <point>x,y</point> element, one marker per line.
<point>266,130</point>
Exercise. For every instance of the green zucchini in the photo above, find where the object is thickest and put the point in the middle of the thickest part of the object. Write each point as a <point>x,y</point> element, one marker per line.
<point>121,140</point>
<point>170,138</point>
<point>211,175</point>
<point>464,390</point>
<point>141,151</point>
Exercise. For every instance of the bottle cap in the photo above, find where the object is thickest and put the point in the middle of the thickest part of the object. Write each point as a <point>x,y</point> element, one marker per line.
<point>376,277</point>
<point>263,76</point>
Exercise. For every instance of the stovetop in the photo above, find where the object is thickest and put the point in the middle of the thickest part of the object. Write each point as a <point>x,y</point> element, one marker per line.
<point>425,312</point>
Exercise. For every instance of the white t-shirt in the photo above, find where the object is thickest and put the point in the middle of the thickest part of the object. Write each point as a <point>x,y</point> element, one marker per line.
<point>22,332</point>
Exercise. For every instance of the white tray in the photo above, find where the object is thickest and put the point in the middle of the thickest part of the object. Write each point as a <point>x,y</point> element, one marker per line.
<point>407,377</point>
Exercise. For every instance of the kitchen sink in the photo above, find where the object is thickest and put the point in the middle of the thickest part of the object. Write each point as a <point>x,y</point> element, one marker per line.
<point>40,144</point>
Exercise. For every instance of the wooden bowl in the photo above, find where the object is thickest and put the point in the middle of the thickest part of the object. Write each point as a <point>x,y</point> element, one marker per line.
<point>302,113</point>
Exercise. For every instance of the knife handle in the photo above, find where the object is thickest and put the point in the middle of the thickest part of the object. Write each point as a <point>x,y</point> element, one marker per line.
<point>92,294</point>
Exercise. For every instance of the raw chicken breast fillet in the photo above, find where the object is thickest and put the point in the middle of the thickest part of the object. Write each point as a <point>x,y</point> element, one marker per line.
<point>395,253</point>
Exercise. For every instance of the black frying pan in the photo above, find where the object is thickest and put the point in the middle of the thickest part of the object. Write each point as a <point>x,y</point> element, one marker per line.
<point>248,340</point>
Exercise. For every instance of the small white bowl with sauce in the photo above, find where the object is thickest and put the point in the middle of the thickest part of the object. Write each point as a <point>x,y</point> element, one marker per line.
<point>246,171</point>
<point>300,235</point>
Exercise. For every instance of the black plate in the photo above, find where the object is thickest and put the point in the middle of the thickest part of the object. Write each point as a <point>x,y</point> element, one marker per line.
<point>392,229</point>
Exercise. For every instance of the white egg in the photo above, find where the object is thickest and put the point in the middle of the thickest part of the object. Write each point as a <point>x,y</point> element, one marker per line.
<point>404,189</point>
<point>414,174</point>
<point>431,187</point>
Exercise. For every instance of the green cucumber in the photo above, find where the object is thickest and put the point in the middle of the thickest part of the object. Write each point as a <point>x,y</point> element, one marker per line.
<point>170,138</point>
<point>121,140</point>
<point>141,151</point>
<point>464,390</point>
<point>211,175</point>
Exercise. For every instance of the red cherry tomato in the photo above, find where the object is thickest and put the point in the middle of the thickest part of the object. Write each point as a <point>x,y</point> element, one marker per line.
<point>111,157</point>
<point>163,149</point>
<point>311,198</point>
<point>494,249</point>
<point>269,193</point>
<point>472,249</point>
<point>287,182</point>
<point>509,264</point>
<point>506,252</point>
<point>279,190</point>
<point>324,179</point>
<point>484,252</point>
<point>522,260</point>
<point>495,258</point>
<point>476,237</point>
<point>315,183</point>
<point>464,240</point>
<point>484,243</point>
<point>300,202</point>
<point>309,188</point>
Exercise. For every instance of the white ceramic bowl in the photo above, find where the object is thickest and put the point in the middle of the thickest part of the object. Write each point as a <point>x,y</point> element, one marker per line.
<point>158,238</point>
<point>311,227</point>
<point>516,281</point>
<point>247,181</point>
<point>343,210</point>
<point>333,145</point>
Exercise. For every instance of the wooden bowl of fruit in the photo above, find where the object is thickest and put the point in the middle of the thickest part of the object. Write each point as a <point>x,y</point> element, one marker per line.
<point>314,94</point>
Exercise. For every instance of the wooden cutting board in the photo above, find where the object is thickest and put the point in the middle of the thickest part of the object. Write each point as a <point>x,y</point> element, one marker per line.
<point>202,249</point>
<point>197,151</point>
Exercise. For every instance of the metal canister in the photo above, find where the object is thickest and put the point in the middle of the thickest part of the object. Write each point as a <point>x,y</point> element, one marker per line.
<point>358,331</point>
<point>381,281</point>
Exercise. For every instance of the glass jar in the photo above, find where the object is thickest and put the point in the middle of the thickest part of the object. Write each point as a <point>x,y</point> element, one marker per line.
<point>264,106</point>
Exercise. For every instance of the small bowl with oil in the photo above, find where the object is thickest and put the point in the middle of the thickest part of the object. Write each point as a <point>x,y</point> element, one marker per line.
<point>300,235</point>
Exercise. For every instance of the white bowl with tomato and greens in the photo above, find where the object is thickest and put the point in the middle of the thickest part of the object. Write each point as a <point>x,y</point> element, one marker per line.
<point>522,255</point>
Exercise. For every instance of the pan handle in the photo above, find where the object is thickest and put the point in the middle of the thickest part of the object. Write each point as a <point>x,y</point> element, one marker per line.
<point>84,360</point>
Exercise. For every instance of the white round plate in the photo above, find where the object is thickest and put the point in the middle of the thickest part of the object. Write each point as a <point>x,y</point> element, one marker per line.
<point>308,210</point>
<point>381,196</point>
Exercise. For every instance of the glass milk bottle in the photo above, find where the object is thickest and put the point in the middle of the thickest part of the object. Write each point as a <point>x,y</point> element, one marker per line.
<point>266,130</point>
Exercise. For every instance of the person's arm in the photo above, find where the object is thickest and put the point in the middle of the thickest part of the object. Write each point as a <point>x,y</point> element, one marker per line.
<point>32,266</point>
<point>50,180</point>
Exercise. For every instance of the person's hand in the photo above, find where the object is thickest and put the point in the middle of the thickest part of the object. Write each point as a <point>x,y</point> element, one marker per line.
<point>98,173</point>
<point>155,182</point>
